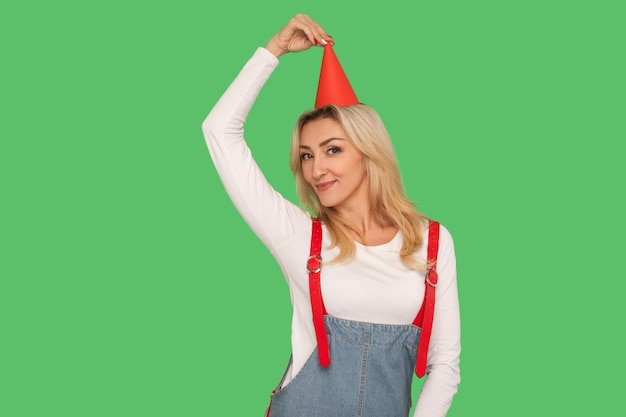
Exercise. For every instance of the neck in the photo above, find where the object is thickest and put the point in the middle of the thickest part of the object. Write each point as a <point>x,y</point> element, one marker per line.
<point>365,226</point>
<point>360,217</point>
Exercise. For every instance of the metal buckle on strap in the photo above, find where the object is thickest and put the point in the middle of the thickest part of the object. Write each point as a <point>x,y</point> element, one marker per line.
<point>428,278</point>
<point>314,264</point>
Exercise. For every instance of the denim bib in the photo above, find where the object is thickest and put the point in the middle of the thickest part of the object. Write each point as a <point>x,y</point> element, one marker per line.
<point>370,374</point>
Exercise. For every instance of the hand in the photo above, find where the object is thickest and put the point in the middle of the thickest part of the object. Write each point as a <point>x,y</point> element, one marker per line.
<point>298,35</point>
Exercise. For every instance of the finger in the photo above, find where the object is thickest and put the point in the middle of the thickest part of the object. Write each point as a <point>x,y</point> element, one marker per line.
<point>304,24</point>
<point>310,35</point>
<point>319,31</point>
<point>314,32</point>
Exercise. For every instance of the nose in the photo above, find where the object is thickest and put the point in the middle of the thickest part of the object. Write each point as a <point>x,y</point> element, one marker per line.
<point>319,167</point>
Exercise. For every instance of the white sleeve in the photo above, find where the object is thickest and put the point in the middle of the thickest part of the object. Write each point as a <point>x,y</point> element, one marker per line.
<point>443,374</point>
<point>272,218</point>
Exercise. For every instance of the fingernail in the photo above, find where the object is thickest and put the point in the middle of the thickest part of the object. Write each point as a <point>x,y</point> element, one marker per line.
<point>315,42</point>
<point>323,42</point>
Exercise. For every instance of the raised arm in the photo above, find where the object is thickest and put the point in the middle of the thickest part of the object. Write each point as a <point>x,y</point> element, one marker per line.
<point>270,216</point>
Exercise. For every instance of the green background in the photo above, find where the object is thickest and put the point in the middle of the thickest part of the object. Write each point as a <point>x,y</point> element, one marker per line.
<point>130,286</point>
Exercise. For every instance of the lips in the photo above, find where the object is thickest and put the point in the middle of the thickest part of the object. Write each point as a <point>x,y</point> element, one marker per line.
<point>323,186</point>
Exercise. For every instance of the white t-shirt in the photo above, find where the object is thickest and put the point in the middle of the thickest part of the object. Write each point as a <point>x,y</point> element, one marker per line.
<point>374,287</point>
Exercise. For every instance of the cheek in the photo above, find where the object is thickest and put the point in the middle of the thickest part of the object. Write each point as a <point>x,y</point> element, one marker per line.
<point>356,167</point>
<point>306,172</point>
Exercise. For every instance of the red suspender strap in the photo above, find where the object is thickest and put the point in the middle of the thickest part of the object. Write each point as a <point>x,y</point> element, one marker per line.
<point>314,267</point>
<point>424,319</point>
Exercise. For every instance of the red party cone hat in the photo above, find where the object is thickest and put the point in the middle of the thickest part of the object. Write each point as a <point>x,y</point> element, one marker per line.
<point>334,87</point>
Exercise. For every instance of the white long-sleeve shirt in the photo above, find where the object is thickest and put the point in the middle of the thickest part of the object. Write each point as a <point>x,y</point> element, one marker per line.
<point>374,287</point>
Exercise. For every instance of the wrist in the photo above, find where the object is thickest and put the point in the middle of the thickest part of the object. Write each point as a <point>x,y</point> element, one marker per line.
<point>275,49</point>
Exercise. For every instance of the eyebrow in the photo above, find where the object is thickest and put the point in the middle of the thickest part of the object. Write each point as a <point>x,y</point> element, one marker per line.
<point>326,142</point>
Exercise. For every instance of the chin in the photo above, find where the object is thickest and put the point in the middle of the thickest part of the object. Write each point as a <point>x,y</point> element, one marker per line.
<point>329,200</point>
<point>327,204</point>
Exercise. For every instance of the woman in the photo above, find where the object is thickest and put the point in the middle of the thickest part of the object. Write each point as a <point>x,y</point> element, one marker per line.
<point>355,336</point>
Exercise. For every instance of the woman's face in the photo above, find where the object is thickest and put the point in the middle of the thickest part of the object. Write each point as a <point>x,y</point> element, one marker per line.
<point>332,165</point>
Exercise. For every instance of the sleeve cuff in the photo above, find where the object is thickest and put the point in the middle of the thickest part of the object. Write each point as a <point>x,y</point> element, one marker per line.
<point>267,56</point>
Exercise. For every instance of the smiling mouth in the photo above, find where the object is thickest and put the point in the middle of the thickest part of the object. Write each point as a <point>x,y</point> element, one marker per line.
<point>324,186</point>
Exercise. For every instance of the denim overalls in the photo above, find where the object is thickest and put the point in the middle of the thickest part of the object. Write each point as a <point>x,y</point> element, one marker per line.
<point>370,374</point>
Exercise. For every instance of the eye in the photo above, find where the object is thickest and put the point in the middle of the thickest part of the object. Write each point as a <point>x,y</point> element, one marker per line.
<point>305,156</point>
<point>333,150</point>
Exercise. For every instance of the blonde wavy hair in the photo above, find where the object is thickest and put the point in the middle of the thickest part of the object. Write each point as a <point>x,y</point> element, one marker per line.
<point>386,190</point>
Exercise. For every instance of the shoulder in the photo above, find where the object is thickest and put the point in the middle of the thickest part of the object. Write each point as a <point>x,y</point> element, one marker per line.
<point>445,242</point>
<point>444,233</point>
